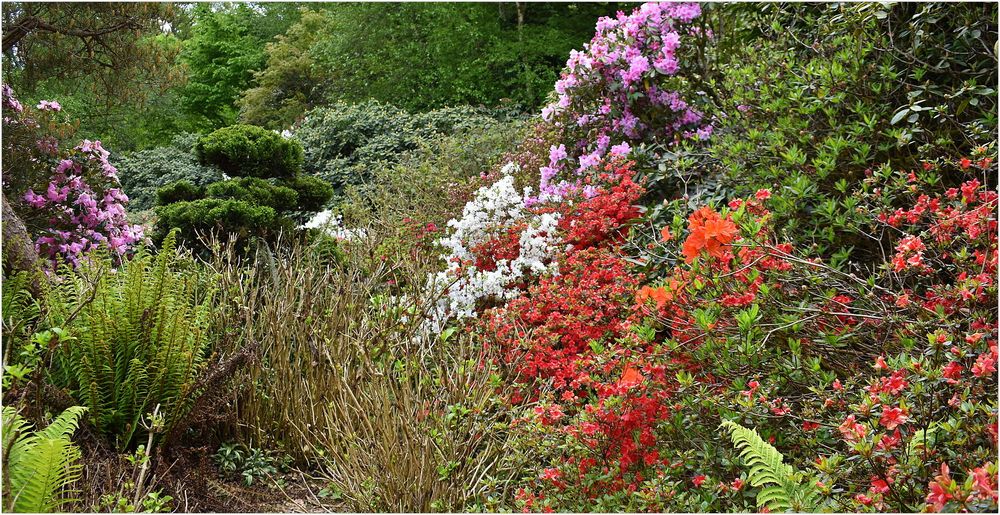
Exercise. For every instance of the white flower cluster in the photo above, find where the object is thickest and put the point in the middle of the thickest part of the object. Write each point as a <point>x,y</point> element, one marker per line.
<point>332,226</point>
<point>494,208</point>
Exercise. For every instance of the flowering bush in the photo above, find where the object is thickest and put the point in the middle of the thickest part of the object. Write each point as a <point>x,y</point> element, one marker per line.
<point>82,205</point>
<point>85,206</point>
<point>622,90</point>
<point>625,380</point>
<point>496,244</point>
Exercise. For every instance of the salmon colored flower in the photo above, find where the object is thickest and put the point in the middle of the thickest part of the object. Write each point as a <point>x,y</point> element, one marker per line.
<point>631,378</point>
<point>892,417</point>
<point>708,232</point>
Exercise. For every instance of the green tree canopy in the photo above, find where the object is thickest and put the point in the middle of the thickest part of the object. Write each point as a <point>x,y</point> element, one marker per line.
<point>225,48</point>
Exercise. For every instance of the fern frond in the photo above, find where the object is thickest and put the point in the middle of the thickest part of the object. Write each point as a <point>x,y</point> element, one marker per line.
<point>781,489</point>
<point>143,338</point>
<point>65,424</point>
<point>43,464</point>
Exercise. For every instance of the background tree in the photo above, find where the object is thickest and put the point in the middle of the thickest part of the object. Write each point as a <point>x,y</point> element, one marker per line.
<point>111,64</point>
<point>106,42</point>
<point>293,80</point>
<point>225,48</point>
<point>420,56</point>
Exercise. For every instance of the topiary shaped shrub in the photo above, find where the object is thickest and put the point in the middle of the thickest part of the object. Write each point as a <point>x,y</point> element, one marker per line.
<point>250,151</point>
<point>255,191</point>
<point>180,191</point>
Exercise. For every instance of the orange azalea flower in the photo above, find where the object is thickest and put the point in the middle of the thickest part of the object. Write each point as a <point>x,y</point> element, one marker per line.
<point>665,234</point>
<point>630,378</point>
<point>660,295</point>
<point>709,232</point>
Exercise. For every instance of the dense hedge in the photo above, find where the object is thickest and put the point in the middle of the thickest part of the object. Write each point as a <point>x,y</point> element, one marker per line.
<point>143,172</point>
<point>252,151</point>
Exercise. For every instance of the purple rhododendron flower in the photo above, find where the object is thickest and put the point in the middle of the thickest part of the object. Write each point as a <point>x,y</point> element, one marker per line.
<point>557,154</point>
<point>621,150</point>
<point>49,105</point>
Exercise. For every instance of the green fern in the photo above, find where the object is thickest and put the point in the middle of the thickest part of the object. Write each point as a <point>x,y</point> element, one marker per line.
<point>41,465</point>
<point>142,338</point>
<point>781,486</point>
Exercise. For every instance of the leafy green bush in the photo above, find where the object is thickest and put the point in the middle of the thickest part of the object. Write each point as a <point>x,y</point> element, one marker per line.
<point>144,171</point>
<point>254,191</point>
<point>39,466</point>
<point>344,142</point>
<point>248,150</point>
<point>140,339</point>
<point>180,191</point>
<point>200,217</point>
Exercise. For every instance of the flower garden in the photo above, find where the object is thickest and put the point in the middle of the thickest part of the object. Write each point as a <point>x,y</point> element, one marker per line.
<point>738,260</point>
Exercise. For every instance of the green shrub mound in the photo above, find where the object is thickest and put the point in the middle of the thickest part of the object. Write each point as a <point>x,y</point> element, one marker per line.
<point>268,195</point>
<point>248,150</point>
<point>344,143</point>
<point>198,218</point>
<point>142,173</point>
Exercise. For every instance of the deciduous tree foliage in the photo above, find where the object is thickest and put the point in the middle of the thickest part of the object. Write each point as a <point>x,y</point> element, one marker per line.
<point>108,43</point>
<point>224,50</point>
<point>419,56</point>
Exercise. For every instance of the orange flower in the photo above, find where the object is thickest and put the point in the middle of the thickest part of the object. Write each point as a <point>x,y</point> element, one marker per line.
<point>660,295</point>
<point>665,234</point>
<point>709,232</point>
<point>630,378</point>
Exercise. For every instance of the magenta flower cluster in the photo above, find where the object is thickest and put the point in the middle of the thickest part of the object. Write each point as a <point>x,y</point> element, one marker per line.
<point>614,94</point>
<point>83,203</point>
<point>85,207</point>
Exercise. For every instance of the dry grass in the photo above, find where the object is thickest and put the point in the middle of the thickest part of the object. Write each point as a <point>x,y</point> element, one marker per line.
<point>344,380</point>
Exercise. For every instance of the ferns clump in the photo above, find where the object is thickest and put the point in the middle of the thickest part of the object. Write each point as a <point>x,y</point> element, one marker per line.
<point>141,336</point>
<point>782,487</point>
<point>40,465</point>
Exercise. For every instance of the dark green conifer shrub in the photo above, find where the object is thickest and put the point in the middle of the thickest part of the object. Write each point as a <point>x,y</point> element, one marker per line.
<point>180,191</point>
<point>267,196</point>
<point>251,151</point>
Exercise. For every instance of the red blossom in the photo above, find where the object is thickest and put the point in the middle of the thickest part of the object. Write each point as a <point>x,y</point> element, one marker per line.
<point>892,417</point>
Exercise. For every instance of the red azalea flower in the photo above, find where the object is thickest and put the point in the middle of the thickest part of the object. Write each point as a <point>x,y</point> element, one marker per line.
<point>892,417</point>
<point>952,372</point>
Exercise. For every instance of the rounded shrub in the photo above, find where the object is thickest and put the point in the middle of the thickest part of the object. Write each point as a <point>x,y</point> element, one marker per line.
<point>313,192</point>
<point>255,191</point>
<point>179,191</point>
<point>250,151</point>
<point>344,143</point>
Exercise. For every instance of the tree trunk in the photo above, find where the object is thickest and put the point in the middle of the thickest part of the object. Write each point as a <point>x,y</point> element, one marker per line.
<point>18,250</point>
